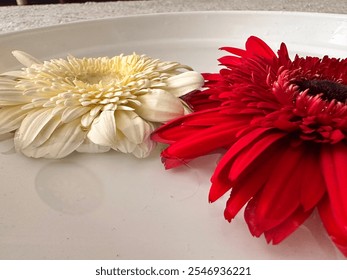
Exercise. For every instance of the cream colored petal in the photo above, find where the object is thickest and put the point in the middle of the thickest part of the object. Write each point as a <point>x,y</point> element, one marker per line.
<point>144,149</point>
<point>72,113</point>
<point>11,118</point>
<point>65,140</point>
<point>159,106</point>
<point>10,74</point>
<point>87,120</point>
<point>132,126</point>
<point>103,130</point>
<point>46,132</point>
<point>123,144</point>
<point>184,83</point>
<point>168,66</point>
<point>26,59</point>
<point>9,97</point>
<point>31,126</point>
<point>89,147</point>
<point>7,83</point>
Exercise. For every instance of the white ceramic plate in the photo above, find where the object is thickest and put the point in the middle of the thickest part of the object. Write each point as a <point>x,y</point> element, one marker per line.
<point>113,206</point>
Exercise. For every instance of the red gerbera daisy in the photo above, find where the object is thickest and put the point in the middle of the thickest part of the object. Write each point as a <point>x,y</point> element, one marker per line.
<point>284,124</point>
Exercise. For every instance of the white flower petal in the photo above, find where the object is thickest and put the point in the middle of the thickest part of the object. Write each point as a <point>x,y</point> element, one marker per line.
<point>26,59</point>
<point>103,130</point>
<point>9,97</point>
<point>168,66</point>
<point>159,106</point>
<point>72,113</point>
<point>58,110</point>
<point>65,139</point>
<point>13,74</point>
<point>144,149</point>
<point>7,83</point>
<point>31,126</point>
<point>87,120</point>
<point>89,147</point>
<point>123,144</point>
<point>132,126</point>
<point>46,132</point>
<point>184,83</point>
<point>11,118</point>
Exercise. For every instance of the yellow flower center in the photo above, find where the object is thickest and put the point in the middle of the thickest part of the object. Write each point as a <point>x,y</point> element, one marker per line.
<point>111,83</point>
<point>96,78</point>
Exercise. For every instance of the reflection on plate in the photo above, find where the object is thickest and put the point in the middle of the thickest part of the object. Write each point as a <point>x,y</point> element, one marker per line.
<point>109,206</point>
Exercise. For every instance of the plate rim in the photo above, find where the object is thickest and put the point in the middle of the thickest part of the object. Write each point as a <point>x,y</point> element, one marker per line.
<point>54,27</point>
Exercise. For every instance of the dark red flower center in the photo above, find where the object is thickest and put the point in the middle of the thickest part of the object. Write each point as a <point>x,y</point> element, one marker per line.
<point>328,89</point>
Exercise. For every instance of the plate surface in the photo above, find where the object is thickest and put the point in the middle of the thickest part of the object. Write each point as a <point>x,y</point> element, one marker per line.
<point>113,206</point>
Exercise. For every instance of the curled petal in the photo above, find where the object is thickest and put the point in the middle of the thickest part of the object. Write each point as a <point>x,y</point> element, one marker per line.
<point>143,149</point>
<point>124,145</point>
<point>184,83</point>
<point>159,106</point>
<point>103,130</point>
<point>283,230</point>
<point>132,126</point>
<point>279,232</point>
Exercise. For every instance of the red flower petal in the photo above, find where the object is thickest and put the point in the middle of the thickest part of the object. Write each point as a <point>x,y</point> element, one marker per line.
<point>312,185</point>
<point>259,48</point>
<point>229,60</point>
<point>283,230</point>
<point>253,151</point>
<point>249,185</point>
<point>236,51</point>
<point>187,125</point>
<point>283,55</point>
<point>203,142</point>
<point>278,233</point>
<point>280,196</point>
<point>220,179</point>
<point>334,165</point>
<point>337,233</point>
<point>254,47</point>
<point>250,217</point>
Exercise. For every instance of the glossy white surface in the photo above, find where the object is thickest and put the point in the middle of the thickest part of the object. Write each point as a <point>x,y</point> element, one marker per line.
<point>114,206</point>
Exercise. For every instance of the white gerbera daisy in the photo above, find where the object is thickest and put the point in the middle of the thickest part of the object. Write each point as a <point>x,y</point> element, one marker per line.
<point>91,104</point>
